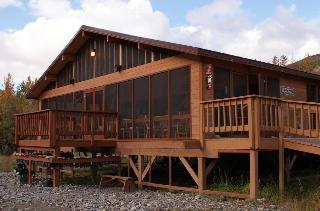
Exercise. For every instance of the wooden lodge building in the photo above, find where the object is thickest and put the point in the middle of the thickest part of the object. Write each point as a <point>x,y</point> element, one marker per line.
<point>122,95</point>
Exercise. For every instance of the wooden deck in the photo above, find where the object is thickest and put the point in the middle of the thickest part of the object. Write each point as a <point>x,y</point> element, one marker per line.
<point>246,124</point>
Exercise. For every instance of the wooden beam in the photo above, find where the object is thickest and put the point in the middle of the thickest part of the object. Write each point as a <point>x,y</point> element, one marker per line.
<point>133,166</point>
<point>88,35</point>
<point>194,190</point>
<point>145,171</point>
<point>140,169</point>
<point>209,168</point>
<point>68,58</point>
<point>289,164</point>
<point>145,47</point>
<point>190,170</point>
<point>254,172</point>
<point>114,39</point>
<point>50,78</point>
<point>281,152</point>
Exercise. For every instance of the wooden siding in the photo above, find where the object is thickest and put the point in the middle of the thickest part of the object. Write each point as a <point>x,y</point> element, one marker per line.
<point>299,86</point>
<point>108,54</point>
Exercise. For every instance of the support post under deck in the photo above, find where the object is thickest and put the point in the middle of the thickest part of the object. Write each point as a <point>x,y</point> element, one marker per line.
<point>254,174</point>
<point>201,174</point>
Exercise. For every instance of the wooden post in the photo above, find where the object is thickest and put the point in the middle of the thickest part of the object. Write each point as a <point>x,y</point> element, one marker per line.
<point>251,122</point>
<point>55,177</point>
<point>129,167</point>
<point>201,174</point>
<point>140,170</point>
<point>201,126</point>
<point>52,138</point>
<point>254,174</point>
<point>170,170</point>
<point>281,151</point>
<point>256,126</point>
<point>30,172</point>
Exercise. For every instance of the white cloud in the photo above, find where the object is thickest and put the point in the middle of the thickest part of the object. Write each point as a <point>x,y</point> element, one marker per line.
<point>7,3</point>
<point>222,25</point>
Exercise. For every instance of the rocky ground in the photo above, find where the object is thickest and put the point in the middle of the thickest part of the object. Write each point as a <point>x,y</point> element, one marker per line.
<point>14,196</point>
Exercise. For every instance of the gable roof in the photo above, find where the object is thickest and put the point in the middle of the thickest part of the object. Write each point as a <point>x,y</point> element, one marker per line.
<point>84,33</point>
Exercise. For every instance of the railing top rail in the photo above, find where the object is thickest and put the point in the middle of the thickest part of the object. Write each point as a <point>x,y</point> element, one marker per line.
<point>69,111</point>
<point>261,97</point>
<point>239,98</point>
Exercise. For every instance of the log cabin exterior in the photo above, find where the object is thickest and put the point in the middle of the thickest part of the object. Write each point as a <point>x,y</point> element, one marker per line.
<point>142,98</point>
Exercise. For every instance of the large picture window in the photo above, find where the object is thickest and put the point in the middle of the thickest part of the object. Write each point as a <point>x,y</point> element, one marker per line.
<point>159,102</point>
<point>141,107</point>
<point>111,98</point>
<point>125,110</point>
<point>239,84</point>
<point>180,102</point>
<point>222,83</point>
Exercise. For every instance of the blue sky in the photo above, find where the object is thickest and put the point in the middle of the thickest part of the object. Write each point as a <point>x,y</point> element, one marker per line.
<point>33,32</point>
<point>176,10</point>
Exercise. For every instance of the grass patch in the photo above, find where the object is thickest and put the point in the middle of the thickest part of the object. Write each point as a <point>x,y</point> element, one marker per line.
<point>300,194</point>
<point>7,164</point>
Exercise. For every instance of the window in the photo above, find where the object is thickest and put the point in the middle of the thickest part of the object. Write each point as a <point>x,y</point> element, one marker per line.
<point>60,102</point>
<point>239,84</point>
<point>273,87</point>
<point>253,84</point>
<point>311,93</point>
<point>180,102</point>
<point>111,98</point>
<point>89,101</point>
<point>45,104</point>
<point>68,99</point>
<point>222,83</point>
<point>159,102</point>
<point>125,109</point>
<point>141,107</point>
<point>78,101</point>
<point>98,101</point>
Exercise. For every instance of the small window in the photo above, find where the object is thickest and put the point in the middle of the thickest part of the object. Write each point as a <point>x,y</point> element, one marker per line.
<point>240,84</point>
<point>111,98</point>
<point>311,93</point>
<point>273,87</point>
<point>221,83</point>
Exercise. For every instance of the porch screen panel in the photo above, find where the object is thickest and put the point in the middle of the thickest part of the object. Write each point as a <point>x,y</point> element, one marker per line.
<point>53,103</point>
<point>89,107</point>
<point>221,83</point>
<point>98,107</point>
<point>60,102</point>
<point>141,107</point>
<point>44,104</point>
<point>159,102</point>
<point>273,87</point>
<point>68,105</point>
<point>311,93</point>
<point>125,110</point>
<point>240,84</point>
<point>78,101</point>
<point>111,98</point>
<point>180,102</point>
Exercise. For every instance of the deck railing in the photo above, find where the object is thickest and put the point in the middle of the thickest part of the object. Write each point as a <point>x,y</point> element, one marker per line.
<point>53,125</point>
<point>259,116</point>
<point>226,115</point>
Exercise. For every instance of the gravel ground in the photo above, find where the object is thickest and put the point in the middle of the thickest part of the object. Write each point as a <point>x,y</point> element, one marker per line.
<point>14,196</point>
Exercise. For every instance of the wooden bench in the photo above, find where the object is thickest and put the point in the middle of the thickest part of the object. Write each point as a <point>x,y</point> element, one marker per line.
<point>128,182</point>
